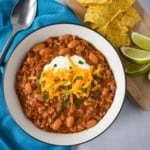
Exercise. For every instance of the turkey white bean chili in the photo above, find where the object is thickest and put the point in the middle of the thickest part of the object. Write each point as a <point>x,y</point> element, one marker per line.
<point>65,84</point>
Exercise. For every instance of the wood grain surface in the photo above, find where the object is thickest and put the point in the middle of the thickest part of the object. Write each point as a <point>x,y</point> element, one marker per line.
<point>138,87</point>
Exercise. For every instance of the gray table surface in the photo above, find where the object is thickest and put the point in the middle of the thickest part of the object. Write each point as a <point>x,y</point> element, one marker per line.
<point>130,131</point>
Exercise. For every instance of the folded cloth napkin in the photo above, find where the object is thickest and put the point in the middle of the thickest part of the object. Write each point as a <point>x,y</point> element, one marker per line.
<point>48,12</point>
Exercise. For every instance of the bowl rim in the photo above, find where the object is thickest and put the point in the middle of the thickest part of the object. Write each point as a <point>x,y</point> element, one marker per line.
<point>121,63</point>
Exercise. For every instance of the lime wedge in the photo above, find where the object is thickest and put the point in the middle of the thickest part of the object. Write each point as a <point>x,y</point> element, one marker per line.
<point>149,75</point>
<point>137,70</point>
<point>135,55</point>
<point>141,40</point>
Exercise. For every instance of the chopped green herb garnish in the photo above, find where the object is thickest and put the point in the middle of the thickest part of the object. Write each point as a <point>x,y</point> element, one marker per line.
<point>37,84</point>
<point>63,79</point>
<point>66,80</point>
<point>96,77</point>
<point>71,71</point>
<point>56,79</point>
<point>79,78</point>
<point>49,103</point>
<point>69,87</point>
<point>37,76</point>
<point>80,62</point>
<point>45,96</point>
<point>43,74</point>
<point>62,87</point>
<point>83,90</point>
<point>64,104</point>
<point>55,65</point>
<point>77,102</point>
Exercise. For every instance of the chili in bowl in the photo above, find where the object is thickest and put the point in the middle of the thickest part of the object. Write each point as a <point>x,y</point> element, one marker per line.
<point>66,86</point>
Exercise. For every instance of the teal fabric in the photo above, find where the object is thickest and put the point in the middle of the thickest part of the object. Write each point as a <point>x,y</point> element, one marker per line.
<point>12,137</point>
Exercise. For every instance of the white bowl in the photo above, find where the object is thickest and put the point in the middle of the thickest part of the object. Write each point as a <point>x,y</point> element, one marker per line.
<point>15,61</point>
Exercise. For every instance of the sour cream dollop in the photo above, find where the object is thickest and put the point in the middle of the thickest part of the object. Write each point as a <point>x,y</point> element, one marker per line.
<point>61,62</point>
<point>66,76</point>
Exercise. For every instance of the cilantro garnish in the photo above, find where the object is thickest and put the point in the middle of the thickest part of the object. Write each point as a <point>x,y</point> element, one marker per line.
<point>83,90</point>
<point>64,104</point>
<point>45,96</point>
<point>55,65</point>
<point>38,85</point>
<point>77,102</point>
<point>79,78</point>
<point>96,77</point>
<point>80,62</point>
<point>69,87</point>
<point>37,76</point>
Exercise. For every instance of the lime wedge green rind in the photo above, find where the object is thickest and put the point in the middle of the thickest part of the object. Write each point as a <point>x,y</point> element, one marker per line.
<point>149,75</point>
<point>137,70</point>
<point>140,40</point>
<point>135,55</point>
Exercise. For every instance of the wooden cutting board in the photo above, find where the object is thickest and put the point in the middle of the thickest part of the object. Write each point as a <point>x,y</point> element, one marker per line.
<point>138,88</point>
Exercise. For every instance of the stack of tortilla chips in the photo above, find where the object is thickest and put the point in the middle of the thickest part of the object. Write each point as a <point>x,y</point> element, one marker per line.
<point>114,19</point>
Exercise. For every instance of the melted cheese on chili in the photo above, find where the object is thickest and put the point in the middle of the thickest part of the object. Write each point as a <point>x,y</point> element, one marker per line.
<point>67,76</point>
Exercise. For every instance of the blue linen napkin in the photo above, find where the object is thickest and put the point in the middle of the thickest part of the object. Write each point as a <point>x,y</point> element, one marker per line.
<point>48,12</point>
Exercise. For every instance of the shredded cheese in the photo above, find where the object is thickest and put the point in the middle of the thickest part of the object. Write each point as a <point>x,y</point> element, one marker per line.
<point>73,81</point>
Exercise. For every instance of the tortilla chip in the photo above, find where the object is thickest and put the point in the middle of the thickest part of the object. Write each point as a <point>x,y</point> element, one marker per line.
<point>129,18</point>
<point>93,2</point>
<point>102,15</point>
<point>118,31</point>
<point>118,35</point>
